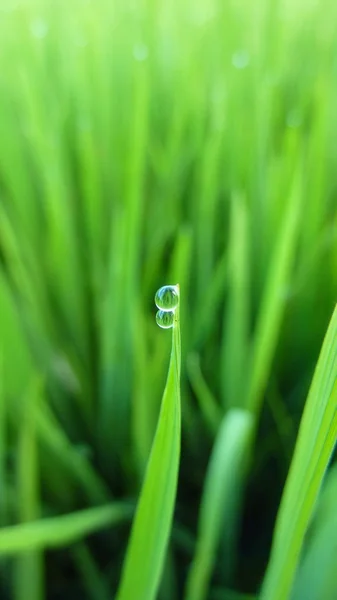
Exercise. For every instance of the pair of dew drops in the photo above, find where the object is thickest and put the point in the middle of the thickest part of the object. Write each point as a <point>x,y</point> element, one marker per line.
<point>167,300</point>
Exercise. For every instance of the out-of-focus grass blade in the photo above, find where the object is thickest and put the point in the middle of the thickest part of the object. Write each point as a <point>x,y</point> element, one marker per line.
<point>55,439</point>
<point>124,270</point>
<point>169,585</point>
<point>211,412</point>
<point>95,584</point>
<point>273,300</point>
<point>53,532</point>
<point>28,571</point>
<point>151,528</point>
<point>235,338</point>
<point>230,595</point>
<point>316,575</point>
<point>219,505</point>
<point>3,439</point>
<point>316,440</point>
<point>207,311</point>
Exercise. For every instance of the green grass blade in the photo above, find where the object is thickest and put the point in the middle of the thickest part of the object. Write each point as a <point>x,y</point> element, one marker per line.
<point>55,439</point>
<point>28,567</point>
<point>209,408</point>
<point>218,512</point>
<point>235,338</point>
<point>95,584</point>
<point>316,440</point>
<point>151,528</point>
<point>54,532</point>
<point>316,576</point>
<point>3,440</point>
<point>230,595</point>
<point>273,300</point>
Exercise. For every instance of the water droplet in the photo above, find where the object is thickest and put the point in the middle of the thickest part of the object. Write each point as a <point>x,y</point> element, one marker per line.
<point>140,52</point>
<point>240,59</point>
<point>165,318</point>
<point>167,297</point>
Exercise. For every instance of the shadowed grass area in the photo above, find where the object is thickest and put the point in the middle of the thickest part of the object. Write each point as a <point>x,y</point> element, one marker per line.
<point>143,144</point>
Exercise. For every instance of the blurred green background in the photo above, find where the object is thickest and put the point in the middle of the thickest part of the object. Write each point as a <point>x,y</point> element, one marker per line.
<point>145,143</point>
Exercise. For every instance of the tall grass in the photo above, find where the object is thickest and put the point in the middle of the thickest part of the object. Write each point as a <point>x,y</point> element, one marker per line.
<point>142,144</point>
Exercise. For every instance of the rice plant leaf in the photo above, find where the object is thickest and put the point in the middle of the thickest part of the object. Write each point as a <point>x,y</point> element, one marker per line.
<point>236,322</point>
<point>273,300</point>
<point>316,575</point>
<point>28,568</point>
<point>145,555</point>
<point>316,440</point>
<point>218,513</point>
<point>54,532</point>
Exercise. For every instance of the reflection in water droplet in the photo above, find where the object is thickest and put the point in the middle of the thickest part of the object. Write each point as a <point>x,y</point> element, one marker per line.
<point>165,318</point>
<point>240,59</point>
<point>140,52</point>
<point>167,297</point>
<point>39,28</point>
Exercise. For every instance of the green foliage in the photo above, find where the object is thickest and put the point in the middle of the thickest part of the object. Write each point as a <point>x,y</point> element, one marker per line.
<point>221,499</point>
<point>150,532</point>
<point>316,574</point>
<point>144,144</point>
<point>316,441</point>
<point>59,531</point>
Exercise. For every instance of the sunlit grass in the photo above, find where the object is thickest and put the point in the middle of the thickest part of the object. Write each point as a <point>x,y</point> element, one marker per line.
<point>144,143</point>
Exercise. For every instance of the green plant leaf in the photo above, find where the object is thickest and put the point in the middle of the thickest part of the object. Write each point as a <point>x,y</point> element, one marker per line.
<point>28,568</point>
<point>316,575</point>
<point>316,441</point>
<point>273,299</point>
<point>220,500</point>
<point>53,532</point>
<point>151,528</point>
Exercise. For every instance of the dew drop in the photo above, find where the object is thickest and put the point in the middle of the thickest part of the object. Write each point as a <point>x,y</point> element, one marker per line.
<point>167,297</point>
<point>165,318</point>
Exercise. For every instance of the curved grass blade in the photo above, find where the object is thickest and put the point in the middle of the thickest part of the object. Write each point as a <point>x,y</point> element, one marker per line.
<point>54,532</point>
<point>144,560</point>
<point>316,441</point>
<point>219,504</point>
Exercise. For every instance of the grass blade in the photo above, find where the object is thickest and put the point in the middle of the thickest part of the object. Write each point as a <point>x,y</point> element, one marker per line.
<point>95,584</point>
<point>219,503</point>
<point>151,528</point>
<point>29,569</point>
<point>273,301</point>
<point>236,323</point>
<point>316,441</point>
<point>54,532</point>
<point>316,576</point>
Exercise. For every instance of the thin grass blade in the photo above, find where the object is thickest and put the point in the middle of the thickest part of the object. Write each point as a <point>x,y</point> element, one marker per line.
<point>219,504</point>
<point>151,528</point>
<point>54,532</point>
